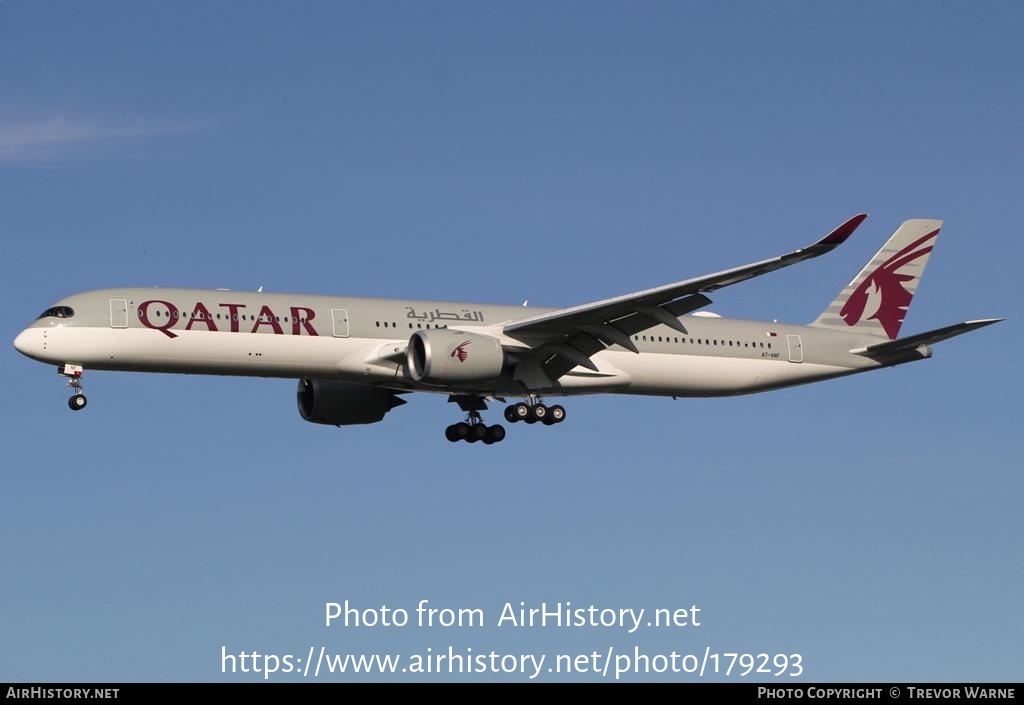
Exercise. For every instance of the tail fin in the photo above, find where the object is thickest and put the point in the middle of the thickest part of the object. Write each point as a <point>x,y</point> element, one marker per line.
<point>877,299</point>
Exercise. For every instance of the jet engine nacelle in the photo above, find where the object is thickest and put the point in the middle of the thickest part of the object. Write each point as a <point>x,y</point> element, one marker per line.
<point>444,356</point>
<point>343,403</point>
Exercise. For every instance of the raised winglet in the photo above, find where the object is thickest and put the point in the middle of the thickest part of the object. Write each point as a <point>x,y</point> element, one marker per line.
<point>839,235</point>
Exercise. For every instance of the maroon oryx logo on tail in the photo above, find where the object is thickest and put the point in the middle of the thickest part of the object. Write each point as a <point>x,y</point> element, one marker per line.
<point>884,288</point>
<point>460,351</point>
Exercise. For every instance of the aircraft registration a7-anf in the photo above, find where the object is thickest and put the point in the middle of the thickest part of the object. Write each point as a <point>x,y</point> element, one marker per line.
<point>354,357</point>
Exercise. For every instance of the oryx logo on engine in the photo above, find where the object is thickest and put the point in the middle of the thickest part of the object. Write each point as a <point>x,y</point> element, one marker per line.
<point>460,351</point>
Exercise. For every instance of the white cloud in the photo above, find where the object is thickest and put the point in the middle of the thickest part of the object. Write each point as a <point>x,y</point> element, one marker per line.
<point>51,138</point>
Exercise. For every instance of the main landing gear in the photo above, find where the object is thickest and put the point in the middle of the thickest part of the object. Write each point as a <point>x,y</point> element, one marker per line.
<point>534,412</point>
<point>474,429</point>
<point>77,401</point>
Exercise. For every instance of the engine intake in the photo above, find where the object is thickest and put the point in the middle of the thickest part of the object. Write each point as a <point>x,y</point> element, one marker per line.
<point>338,403</point>
<point>443,356</point>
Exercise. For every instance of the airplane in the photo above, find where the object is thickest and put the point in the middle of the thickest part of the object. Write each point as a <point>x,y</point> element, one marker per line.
<point>355,357</point>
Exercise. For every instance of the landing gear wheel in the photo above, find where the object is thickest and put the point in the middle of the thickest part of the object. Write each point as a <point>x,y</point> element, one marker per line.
<point>510,414</point>
<point>77,402</point>
<point>477,432</point>
<point>460,431</point>
<point>451,434</point>
<point>556,414</point>
<point>520,412</point>
<point>495,434</point>
<point>539,413</point>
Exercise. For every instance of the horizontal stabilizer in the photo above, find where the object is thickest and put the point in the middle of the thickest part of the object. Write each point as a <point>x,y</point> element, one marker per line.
<point>897,348</point>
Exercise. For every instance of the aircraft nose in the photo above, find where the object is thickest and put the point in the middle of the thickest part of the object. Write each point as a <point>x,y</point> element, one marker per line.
<point>29,342</point>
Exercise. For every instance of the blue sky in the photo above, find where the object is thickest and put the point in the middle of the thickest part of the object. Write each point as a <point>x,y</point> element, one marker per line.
<point>556,152</point>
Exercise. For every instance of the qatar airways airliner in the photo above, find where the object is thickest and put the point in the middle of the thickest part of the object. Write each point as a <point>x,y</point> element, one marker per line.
<point>354,357</point>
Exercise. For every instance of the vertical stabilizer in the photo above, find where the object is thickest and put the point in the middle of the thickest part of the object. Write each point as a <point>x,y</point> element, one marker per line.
<point>877,299</point>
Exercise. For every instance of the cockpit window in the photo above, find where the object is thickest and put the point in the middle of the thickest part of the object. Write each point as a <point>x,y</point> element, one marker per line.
<point>58,312</point>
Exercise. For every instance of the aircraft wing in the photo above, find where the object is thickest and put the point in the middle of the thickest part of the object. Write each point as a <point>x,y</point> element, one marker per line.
<point>560,340</point>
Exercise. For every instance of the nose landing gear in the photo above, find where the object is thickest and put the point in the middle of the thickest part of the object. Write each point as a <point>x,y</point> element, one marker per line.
<point>74,373</point>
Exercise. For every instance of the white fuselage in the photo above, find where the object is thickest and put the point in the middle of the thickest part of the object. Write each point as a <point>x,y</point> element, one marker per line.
<point>364,340</point>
